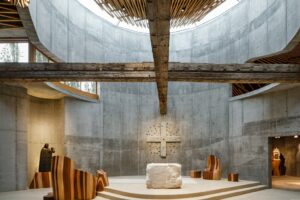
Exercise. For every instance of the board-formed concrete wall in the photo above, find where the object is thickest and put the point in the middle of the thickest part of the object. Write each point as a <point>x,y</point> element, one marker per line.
<point>112,134</point>
<point>252,121</point>
<point>13,138</point>
<point>250,29</point>
<point>75,34</point>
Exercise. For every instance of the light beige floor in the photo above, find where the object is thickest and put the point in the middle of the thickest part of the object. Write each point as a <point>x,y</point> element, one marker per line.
<point>286,182</point>
<point>271,194</point>
<point>137,185</point>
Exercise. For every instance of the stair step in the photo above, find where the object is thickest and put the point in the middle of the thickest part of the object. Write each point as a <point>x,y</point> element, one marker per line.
<point>233,193</point>
<point>113,196</point>
<point>216,196</point>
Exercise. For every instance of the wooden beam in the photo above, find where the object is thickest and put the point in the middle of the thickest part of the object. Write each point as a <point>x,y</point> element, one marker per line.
<point>159,16</point>
<point>145,72</point>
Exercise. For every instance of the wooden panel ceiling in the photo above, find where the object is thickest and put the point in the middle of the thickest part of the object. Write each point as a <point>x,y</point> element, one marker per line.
<point>183,12</point>
<point>9,17</point>
<point>289,55</point>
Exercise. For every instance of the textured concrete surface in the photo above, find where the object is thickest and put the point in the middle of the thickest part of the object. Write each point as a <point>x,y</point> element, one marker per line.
<point>252,121</point>
<point>62,25</point>
<point>13,138</point>
<point>250,29</point>
<point>112,134</point>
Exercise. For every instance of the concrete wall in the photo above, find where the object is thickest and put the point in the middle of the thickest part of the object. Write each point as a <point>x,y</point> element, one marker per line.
<point>252,121</point>
<point>13,138</point>
<point>112,133</point>
<point>45,125</point>
<point>75,34</point>
<point>252,28</point>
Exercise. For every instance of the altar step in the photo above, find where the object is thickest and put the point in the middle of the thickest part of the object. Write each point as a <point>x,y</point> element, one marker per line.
<point>111,194</point>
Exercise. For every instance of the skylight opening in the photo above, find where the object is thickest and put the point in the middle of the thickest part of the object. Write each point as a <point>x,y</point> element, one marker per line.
<point>92,5</point>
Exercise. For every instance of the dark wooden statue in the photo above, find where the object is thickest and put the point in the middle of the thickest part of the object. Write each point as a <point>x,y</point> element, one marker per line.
<point>45,158</point>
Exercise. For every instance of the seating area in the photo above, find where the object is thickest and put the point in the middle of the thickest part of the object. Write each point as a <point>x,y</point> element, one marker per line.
<point>213,171</point>
<point>76,184</point>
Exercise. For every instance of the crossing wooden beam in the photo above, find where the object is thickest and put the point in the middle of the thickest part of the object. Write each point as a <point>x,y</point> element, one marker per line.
<point>145,72</point>
<point>159,16</point>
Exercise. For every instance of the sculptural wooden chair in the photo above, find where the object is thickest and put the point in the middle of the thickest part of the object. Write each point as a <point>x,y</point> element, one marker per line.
<point>62,174</point>
<point>85,185</point>
<point>102,180</point>
<point>213,169</point>
<point>41,180</point>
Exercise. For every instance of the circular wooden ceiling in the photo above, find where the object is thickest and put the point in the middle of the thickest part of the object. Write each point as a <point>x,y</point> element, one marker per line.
<point>183,12</point>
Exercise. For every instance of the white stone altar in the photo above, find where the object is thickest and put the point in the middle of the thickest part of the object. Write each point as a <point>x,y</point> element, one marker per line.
<point>163,176</point>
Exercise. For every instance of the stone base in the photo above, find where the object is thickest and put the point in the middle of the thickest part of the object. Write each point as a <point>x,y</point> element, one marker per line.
<point>163,176</point>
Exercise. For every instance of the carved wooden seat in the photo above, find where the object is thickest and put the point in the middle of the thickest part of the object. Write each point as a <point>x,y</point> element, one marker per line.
<point>102,180</point>
<point>195,174</point>
<point>234,177</point>
<point>62,170</point>
<point>85,185</point>
<point>213,170</point>
<point>41,180</point>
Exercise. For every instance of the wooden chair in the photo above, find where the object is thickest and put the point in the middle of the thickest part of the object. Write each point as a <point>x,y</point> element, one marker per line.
<point>85,185</point>
<point>213,170</point>
<point>41,180</point>
<point>62,173</point>
<point>102,180</point>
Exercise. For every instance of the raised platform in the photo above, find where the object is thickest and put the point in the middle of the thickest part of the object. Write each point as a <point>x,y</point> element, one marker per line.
<point>286,182</point>
<point>134,187</point>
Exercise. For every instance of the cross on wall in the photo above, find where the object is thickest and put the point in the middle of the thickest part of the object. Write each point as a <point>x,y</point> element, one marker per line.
<point>163,139</point>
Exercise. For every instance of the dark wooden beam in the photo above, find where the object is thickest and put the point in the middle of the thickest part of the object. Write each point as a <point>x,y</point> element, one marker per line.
<point>145,72</point>
<point>159,17</point>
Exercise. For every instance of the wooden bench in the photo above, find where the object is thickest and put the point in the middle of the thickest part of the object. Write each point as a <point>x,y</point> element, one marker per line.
<point>234,177</point>
<point>195,174</point>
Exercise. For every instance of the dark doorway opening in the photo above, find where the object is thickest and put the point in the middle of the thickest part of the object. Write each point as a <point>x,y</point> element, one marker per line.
<point>285,162</point>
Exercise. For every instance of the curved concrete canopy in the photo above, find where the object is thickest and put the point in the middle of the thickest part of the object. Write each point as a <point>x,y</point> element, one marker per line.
<point>250,29</point>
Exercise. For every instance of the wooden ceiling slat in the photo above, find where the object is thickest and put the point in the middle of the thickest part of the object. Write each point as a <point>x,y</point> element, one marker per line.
<point>183,12</point>
<point>9,17</point>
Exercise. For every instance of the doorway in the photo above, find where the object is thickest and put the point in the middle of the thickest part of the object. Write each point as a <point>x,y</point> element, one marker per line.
<point>285,162</point>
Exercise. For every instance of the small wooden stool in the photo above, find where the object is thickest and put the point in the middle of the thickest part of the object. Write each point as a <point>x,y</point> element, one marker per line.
<point>49,196</point>
<point>233,177</point>
<point>195,173</point>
